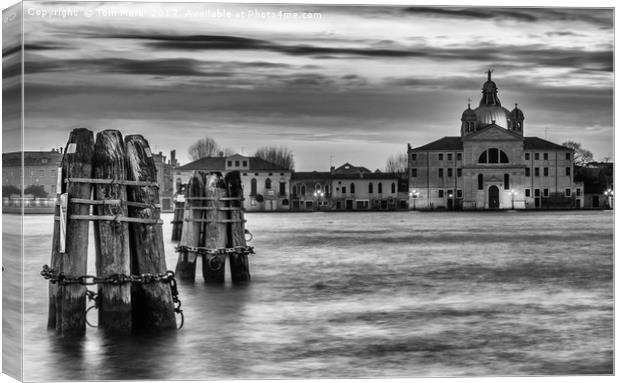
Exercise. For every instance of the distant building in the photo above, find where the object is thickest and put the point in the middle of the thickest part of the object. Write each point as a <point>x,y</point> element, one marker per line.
<point>165,178</point>
<point>598,184</point>
<point>40,169</point>
<point>491,165</point>
<point>348,187</point>
<point>265,184</point>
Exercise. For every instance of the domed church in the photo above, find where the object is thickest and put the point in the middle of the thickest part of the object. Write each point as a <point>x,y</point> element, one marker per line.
<point>492,165</point>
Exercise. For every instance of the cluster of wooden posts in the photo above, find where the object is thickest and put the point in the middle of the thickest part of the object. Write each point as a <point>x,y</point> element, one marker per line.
<point>114,184</point>
<point>212,226</point>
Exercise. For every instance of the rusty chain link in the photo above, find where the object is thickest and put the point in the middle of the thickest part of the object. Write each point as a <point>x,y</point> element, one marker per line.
<point>240,250</point>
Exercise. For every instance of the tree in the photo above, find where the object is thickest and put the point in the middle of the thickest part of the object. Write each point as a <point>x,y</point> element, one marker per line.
<point>37,191</point>
<point>205,147</point>
<point>7,190</point>
<point>582,156</point>
<point>397,163</point>
<point>282,156</point>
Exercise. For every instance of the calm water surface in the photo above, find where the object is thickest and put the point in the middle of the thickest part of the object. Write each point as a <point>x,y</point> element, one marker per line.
<point>366,295</point>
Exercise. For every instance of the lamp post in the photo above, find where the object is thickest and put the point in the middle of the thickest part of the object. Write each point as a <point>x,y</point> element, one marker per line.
<point>609,193</point>
<point>318,195</point>
<point>512,197</point>
<point>414,194</point>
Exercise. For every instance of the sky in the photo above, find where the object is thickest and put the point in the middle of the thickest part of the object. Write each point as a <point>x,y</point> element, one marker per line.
<point>335,84</point>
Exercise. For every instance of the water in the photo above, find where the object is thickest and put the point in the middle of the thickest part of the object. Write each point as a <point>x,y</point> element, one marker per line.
<point>400,294</point>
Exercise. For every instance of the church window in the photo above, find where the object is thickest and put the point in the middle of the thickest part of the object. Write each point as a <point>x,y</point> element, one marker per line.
<point>440,173</point>
<point>503,158</point>
<point>545,192</point>
<point>352,188</point>
<point>414,157</point>
<point>393,188</point>
<point>380,188</point>
<point>527,172</point>
<point>568,158</point>
<point>370,184</point>
<point>303,190</point>
<point>536,156</point>
<point>506,181</point>
<point>440,193</point>
<point>546,172</point>
<point>483,158</point>
<point>568,171</point>
<point>527,192</point>
<point>546,156</point>
<point>536,172</point>
<point>282,188</point>
<point>480,182</point>
<point>414,173</point>
<point>459,156</point>
<point>253,187</point>
<point>440,156</point>
<point>493,156</point>
<point>459,172</point>
<point>567,191</point>
<point>449,172</point>
<point>268,183</point>
<point>449,156</point>
<point>527,156</point>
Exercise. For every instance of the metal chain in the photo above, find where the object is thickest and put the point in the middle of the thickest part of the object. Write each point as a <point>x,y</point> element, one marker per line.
<point>116,279</point>
<point>241,250</point>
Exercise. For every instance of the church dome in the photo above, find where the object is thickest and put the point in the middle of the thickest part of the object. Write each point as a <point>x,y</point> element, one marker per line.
<point>469,114</point>
<point>489,114</point>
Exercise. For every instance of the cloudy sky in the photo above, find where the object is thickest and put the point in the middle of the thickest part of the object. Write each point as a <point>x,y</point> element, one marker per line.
<point>345,83</point>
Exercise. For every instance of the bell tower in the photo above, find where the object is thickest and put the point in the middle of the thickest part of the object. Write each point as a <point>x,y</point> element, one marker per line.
<point>516,120</point>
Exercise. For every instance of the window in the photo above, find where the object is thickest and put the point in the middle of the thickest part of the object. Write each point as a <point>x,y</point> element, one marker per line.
<point>568,156</point>
<point>536,156</point>
<point>527,172</point>
<point>352,188</point>
<point>545,192</point>
<point>527,192</point>
<point>440,193</point>
<point>546,172</point>
<point>537,172</point>
<point>567,171</point>
<point>449,156</point>
<point>567,192</point>
<point>440,172</point>
<point>380,187</point>
<point>483,158</point>
<point>393,188</point>
<point>414,173</point>
<point>546,156</point>
<point>459,193</point>
<point>370,186</point>
<point>527,156</point>
<point>253,187</point>
<point>303,189</point>
<point>459,156</point>
<point>578,192</point>
<point>440,156</point>
<point>245,164</point>
<point>503,158</point>
<point>344,190</point>
<point>450,195</point>
<point>493,156</point>
<point>449,172</point>
<point>270,174</point>
<point>268,183</point>
<point>237,164</point>
<point>414,157</point>
<point>282,188</point>
<point>326,189</point>
<point>480,182</point>
<point>294,189</point>
<point>230,163</point>
<point>459,172</point>
<point>536,192</point>
<point>53,172</point>
<point>506,181</point>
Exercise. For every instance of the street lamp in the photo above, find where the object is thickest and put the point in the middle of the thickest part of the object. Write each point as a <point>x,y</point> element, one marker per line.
<point>512,196</point>
<point>413,195</point>
<point>318,195</point>
<point>609,193</point>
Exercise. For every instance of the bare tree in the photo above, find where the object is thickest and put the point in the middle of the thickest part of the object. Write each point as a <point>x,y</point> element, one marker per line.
<point>205,147</point>
<point>282,156</point>
<point>582,156</point>
<point>397,163</point>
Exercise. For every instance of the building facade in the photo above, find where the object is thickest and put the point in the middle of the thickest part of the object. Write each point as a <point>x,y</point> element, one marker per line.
<point>40,169</point>
<point>265,184</point>
<point>347,187</point>
<point>492,165</point>
<point>165,179</point>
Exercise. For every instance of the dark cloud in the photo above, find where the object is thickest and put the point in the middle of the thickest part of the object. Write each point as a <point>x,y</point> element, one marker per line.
<point>473,13</point>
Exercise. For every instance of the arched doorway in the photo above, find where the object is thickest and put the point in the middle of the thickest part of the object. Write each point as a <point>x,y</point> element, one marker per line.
<point>493,197</point>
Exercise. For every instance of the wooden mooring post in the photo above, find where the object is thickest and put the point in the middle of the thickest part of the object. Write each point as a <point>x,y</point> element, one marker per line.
<point>112,237</point>
<point>215,224</point>
<point>239,262</point>
<point>177,220</point>
<point>67,312</point>
<point>192,228</point>
<point>151,303</point>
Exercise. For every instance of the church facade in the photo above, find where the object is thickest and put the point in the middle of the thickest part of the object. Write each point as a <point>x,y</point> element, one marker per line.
<point>492,165</point>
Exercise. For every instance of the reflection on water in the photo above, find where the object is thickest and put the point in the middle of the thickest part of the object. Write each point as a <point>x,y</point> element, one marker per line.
<point>367,295</point>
